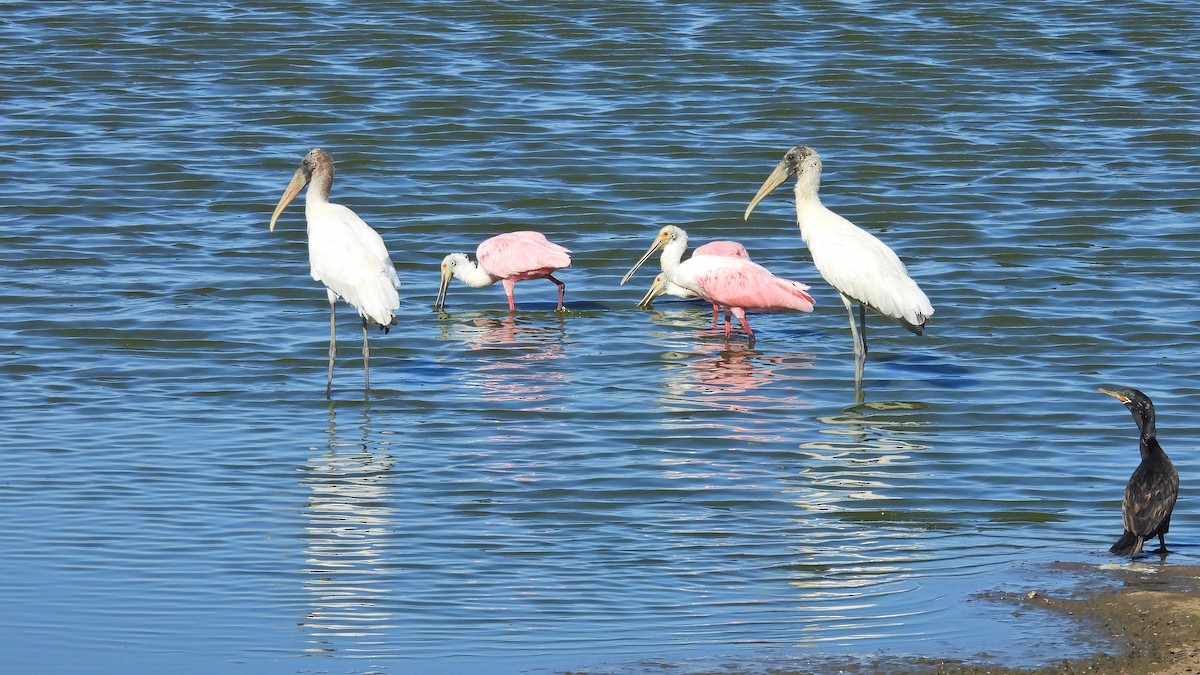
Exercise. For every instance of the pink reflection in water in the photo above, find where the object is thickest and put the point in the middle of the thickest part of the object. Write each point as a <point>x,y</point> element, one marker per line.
<point>512,362</point>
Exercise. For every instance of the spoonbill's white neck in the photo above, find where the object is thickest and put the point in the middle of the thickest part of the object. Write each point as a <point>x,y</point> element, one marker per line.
<point>470,273</point>
<point>672,254</point>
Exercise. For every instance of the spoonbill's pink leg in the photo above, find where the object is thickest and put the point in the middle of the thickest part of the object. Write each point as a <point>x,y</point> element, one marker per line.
<point>508,290</point>
<point>562,291</point>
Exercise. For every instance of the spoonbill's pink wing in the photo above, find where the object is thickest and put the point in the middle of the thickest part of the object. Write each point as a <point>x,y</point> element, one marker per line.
<point>521,255</point>
<point>723,247</point>
<point>731,282</point>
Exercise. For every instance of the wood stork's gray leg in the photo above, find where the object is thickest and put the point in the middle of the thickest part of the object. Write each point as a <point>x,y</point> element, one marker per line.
<point>366,358</point>
<point>860,349</point>
<point>862,326</point>
<point>332,343</point>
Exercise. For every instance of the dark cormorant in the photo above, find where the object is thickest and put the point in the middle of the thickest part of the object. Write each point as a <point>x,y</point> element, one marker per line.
<point>1154,486</point>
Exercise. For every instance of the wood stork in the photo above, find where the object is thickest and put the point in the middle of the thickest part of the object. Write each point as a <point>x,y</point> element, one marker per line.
<point>345,254</point>
<point>855,262</point>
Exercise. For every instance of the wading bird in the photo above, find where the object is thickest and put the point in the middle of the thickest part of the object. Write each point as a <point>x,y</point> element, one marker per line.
<point>663,286</point>
<point>507,258</point>
<point>1154,486</point>
<point>345,254</point>
<point>856,263</point>
<point>733,283</point>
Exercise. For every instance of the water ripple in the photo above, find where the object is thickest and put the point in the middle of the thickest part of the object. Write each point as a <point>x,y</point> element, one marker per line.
<point>611,488</point>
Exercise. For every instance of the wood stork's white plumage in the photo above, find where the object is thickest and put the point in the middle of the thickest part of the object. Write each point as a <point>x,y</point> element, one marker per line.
<point>345,254</point>
<point>855,262</point>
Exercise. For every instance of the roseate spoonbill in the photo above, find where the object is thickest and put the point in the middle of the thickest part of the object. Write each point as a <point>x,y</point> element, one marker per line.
<point>507,258</point>
<point>733,283</point>
<point>663,286</point>
<point>345,254</point>
<point>856,263</point>
<point>1154,486</point>
<point>723,247</point>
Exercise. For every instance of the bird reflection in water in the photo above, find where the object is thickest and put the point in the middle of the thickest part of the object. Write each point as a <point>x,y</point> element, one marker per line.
<point>726,378</point>
<point>733,378</point>
<point>348,523</point>
<point>861,451</point>
<point>514,358</point>
<point>851,484</point>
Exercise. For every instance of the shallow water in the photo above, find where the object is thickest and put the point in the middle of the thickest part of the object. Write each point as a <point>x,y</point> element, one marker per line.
<point>608,489</point>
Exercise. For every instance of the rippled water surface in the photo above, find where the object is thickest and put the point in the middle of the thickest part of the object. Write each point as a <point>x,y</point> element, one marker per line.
<point>608,489</point>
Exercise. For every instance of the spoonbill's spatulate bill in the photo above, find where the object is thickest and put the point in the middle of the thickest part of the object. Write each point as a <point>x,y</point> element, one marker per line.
<point>733,283</point>
<point>507,258</point>
<point>345,254</point>
<point>855,262</point>
<point>1154,486</point>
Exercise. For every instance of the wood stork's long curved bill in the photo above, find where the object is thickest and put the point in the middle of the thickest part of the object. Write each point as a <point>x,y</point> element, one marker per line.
<point>299,180</point>
<point>784,171</point>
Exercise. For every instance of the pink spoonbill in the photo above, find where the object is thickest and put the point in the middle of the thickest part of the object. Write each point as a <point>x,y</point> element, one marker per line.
<point>732,283</point>
<point>345,254</point>
<point>507,258</point>
<point>663,286</point>
<point>855,262</point>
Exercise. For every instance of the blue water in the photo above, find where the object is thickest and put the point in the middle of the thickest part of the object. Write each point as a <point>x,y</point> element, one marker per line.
<point>609,489</point>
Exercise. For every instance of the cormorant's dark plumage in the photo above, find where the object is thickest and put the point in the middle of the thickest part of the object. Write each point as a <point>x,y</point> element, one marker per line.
<point>1154,486</point>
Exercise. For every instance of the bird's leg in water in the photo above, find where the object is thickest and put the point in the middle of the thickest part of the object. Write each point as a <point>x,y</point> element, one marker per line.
<point>746,327</point>
<point>716,313</point>
<point>860,350</point>
<point>1162,546</point>
<point>562,291</point>
<point>332,343</point>
<point>862,321</point>
<point>509,284</point>
<point>366,358</point>
<point>728,326</point>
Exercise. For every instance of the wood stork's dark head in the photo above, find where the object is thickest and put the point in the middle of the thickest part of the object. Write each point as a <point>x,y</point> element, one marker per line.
<point>316,163</point>
<point>802,162</point>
